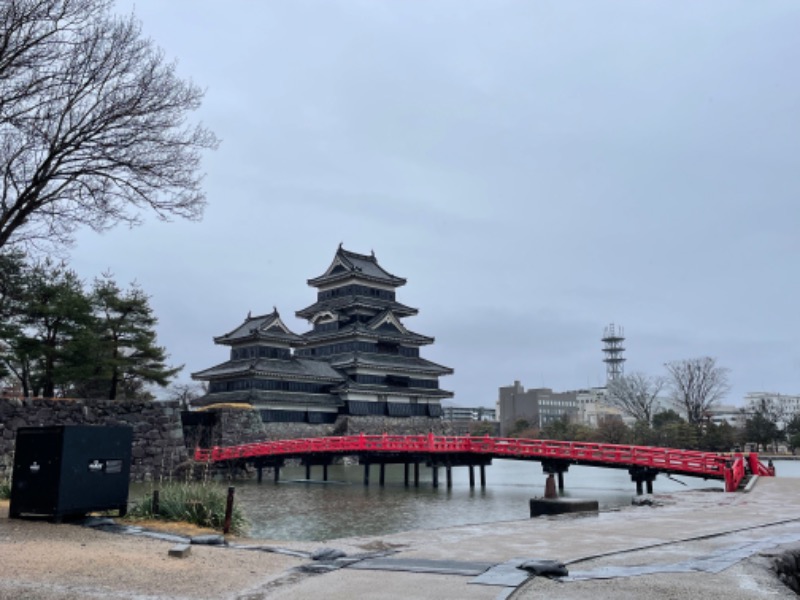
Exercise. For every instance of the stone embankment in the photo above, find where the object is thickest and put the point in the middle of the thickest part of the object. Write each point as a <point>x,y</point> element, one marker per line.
<point>163,440</point>
<point>158,444</point>
<point>233,426</point>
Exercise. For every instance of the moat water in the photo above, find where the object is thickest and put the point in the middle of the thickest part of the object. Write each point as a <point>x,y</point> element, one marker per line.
<point>296,509</point>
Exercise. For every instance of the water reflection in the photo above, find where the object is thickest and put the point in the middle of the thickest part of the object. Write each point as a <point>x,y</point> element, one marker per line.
<point>298,510</point>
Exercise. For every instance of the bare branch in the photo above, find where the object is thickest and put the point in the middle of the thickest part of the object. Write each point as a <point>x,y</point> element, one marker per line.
<point>697,384</point>
<point>93,124</point>
<point>635,395</point>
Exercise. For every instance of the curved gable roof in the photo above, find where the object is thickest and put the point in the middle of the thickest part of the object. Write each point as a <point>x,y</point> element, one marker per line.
<point>263,327</point>
<point>348,264</point>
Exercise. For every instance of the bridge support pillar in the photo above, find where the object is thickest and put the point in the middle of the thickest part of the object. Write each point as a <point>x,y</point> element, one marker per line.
<point>643,476</point>
<point>483,476</point>
<point>382,477</point>
<point>405,474</point>
<point>416,474</point>
<point>557,468</point>
<point>325,472</point>
<point>259,473</point>
<point>471,476</point>
<point>308,470</point>
<point>366,473</point>
<point>276,474</point>
<point>435,473</point>
<point>448,470</point>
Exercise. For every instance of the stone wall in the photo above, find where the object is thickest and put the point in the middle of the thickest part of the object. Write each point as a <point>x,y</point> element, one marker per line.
<point>158,445</point>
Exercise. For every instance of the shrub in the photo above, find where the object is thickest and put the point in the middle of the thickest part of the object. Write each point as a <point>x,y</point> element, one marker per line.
<point>5,488</point>
<point>197,503</point>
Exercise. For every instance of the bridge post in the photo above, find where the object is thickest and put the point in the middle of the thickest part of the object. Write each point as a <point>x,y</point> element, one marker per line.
<point>405,474</point>
<point>483,476</point>
<point>557,468</point>
<point>449,474</point>
<point>471,476</point>
<point>366,473</point>
<point>643,475</point>
<point>276,474</point>
<point>435,473</point>
<point>416,474</point>
<point>325,472</point>
<point>382,479</point>
<point>259,473</point>
<point>308,470</point>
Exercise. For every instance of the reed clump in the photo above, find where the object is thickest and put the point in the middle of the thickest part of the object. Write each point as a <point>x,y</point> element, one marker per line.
<point>201,504</point>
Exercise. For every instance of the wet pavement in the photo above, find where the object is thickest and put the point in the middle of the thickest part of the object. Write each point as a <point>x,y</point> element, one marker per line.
<point>694,544</point>
<point>689,541</point>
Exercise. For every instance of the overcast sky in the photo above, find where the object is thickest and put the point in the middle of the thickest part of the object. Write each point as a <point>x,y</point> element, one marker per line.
<point>536,170</point>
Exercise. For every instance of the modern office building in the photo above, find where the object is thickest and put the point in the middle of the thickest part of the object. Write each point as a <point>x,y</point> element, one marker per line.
<point>537,406</point>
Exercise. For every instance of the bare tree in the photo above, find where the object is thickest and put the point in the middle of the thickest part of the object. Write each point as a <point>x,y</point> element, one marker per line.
<point>93,124</point>
<point>696,385</point>
<point>635,395</point>
<point>184,393</point>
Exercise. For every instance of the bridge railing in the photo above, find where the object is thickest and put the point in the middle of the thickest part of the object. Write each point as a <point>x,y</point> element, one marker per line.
<point>731,468</point>
<point>703,463</point>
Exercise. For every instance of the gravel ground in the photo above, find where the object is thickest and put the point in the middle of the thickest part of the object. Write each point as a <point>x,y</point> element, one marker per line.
<point>41,560</point>
<point>44,561</point>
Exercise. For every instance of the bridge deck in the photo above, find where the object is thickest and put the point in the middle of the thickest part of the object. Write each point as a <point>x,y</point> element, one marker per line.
<point>709,465</point>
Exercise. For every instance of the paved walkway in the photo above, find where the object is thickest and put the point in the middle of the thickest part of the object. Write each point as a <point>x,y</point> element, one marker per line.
<point>696,544</point>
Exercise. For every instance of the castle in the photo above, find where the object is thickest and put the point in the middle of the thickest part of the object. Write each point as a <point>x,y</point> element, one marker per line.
<point>358,358</point>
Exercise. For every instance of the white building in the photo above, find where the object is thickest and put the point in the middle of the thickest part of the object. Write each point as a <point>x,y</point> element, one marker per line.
<point>785,406</point>
<point>593,408</point>
<point>468,413</point>
<point>727,413</point>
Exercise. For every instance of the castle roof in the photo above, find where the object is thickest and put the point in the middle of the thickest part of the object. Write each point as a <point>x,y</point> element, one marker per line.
<point>356,301</point>
<point>352,386</point>
<point>296,368</point>
<point>268,327</point>
<point>394,331</point>
<point>389,362</point>
<point>272,396</point>
<point>347,265</point>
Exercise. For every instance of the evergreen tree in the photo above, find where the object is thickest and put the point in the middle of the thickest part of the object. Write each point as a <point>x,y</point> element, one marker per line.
<point>11,292</point>
<point>59,340</point>
<point>126,332</point>
<point>46,315</point>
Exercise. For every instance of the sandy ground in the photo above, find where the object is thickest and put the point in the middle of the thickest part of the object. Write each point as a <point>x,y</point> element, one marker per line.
<point>44,561</point>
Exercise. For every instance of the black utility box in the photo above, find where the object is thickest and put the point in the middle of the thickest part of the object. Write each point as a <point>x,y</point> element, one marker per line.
<point>70,470</point>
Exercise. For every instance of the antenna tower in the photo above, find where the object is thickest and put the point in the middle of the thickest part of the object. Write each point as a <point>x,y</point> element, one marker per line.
<point>613,337</point>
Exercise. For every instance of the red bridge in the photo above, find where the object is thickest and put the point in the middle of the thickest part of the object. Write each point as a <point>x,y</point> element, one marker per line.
<point>642,462</point>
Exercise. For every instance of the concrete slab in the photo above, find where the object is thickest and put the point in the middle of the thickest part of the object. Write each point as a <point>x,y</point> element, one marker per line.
<point>560,506</point>
<point>420,565</point>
